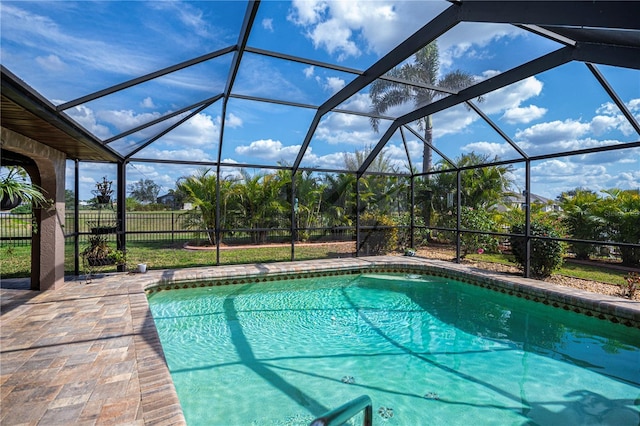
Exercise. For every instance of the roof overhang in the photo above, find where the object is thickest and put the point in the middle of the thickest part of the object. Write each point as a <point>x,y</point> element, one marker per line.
<point>25,112</point>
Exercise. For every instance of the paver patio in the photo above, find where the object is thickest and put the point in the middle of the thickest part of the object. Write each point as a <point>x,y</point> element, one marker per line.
<point>89,353</point>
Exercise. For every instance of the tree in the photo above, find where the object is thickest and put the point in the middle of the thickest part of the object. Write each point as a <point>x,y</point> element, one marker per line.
<point>69,199</point>
<point>200,189</point>
<point>482,187</point>
<point>261,202</point>
<point>621,212</point>
<point>578,215</point>
<point>424,70</point>
<point>145,190</point>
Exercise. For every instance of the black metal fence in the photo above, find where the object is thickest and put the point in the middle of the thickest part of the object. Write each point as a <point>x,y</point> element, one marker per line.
<point>171,227</point>
<point>15,229</point>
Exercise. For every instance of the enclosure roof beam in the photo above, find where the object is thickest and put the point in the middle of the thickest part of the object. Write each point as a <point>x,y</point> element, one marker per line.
<point>521,72</point>
<point>531,68</point>
<point>438,26</point>
<point>614,96</point>
<point>607,54</point>
<point>203,105</point>
<point>144,78</point>
<point>161,119</point>
<point>243,38</point>
<point>433,147</point>
<point>497,128</point>
<point>594,14</point>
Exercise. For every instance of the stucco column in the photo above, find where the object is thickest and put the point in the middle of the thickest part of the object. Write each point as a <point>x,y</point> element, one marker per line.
<point>47,249</point>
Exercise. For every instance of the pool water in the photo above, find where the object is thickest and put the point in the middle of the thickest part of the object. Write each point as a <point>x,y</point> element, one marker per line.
<point>426,350</point>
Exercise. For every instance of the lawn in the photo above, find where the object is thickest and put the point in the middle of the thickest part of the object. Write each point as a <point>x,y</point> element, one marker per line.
<point>15,261</point>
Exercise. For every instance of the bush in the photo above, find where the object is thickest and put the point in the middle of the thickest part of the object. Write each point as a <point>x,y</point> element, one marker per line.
<point>477,220</point>
<point>378,241</point>
<point>546,255</point>
<point>420,235</point>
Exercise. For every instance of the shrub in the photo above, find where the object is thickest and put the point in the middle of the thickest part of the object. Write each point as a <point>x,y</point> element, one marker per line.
<point>378,241</point>
<point>477,220</point>
<point>420,235</point>
<point>546,255</point>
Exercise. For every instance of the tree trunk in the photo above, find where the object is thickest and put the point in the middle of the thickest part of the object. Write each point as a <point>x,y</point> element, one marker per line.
<point>427,160</point>
<point>427,152</point>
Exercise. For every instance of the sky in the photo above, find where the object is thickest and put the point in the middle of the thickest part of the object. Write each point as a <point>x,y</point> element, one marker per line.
<point>67,49</point>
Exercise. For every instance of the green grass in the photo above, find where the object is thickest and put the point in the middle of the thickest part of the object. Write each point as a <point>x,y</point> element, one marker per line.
<point>587,272</point>
<point>16,261</point>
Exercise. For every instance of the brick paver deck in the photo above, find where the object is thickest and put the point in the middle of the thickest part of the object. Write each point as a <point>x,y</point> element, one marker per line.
<point>89,353</point>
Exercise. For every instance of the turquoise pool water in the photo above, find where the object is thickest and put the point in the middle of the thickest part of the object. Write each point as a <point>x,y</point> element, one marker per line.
<point>426,350</point>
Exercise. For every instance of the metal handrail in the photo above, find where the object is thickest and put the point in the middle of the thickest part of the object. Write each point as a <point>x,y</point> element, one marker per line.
<point>343,413</point>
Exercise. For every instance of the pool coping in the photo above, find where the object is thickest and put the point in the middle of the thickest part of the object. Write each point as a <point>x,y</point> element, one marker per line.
<point>604,307</point>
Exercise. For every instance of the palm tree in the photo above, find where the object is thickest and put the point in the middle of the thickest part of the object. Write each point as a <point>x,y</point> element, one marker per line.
<point>261,203</point>
<point>386,94</point>
<point>578,216</point>
<point>200,189</point>
<point>621,211</point>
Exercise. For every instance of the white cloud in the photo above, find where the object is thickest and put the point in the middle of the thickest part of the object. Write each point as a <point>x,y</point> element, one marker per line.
<point>523,114</point>
<point>147,103</point>
<point>309,71</point>
<point>334,38</point>
<point>233,121</point>
<point>334,161</point>
<point>51,63</point>
<point>87,119</point>
<point>191,154</point>
<point>125,119</point>
<point>199,131</point>
<point>610,117</point>
<point>471,40</point>
<point>267,24</point>
<point>346,129</point>
<point>502,150</point>
<point>334,84</point>
<point>553,132</point>
<point>451,121</point>
<point>512,96</point>
<point>358,103</point>
<point>307,12</point>
<point>268,149</point>
<point>346,29</point>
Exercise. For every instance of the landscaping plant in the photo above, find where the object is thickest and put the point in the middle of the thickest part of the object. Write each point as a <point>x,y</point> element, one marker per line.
<point>546,254</point>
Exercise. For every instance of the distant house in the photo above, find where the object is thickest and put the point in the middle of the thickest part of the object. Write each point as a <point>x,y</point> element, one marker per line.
<point>170,200</point>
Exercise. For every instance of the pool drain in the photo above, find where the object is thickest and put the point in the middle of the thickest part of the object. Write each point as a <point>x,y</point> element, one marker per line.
<point>348,380</point>
<point>385,412</point>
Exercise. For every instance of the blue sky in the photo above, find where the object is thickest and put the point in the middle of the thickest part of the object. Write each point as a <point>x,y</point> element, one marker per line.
<point>66,50</point>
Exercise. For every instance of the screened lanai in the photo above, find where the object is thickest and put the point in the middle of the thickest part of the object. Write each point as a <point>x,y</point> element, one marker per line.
<point>359,122</point>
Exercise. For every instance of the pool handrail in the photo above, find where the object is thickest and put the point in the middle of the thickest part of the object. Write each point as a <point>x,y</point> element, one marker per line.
<point>346,411</point>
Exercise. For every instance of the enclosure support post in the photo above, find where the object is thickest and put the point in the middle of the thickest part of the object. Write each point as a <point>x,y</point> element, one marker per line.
<point>294,226</point>
<point>458,213</point>
<point>122,211</point>
<point>76,217</point>
<point>357,216</point>
<point>527,219</point>
<point>412,211</point>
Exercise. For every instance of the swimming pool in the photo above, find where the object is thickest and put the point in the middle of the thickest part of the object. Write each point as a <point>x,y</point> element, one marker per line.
<point>425,349</point>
